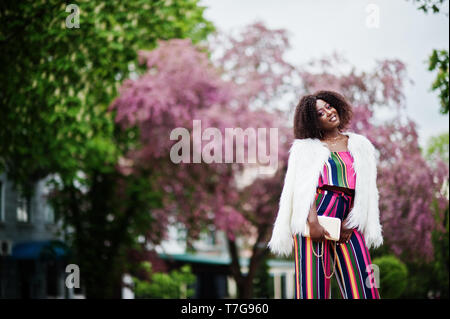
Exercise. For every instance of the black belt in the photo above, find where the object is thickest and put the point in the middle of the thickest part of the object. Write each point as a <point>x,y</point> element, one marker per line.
<point>348,191</point>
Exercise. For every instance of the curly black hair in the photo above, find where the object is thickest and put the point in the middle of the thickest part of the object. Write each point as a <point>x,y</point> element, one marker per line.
<point>306,122</point>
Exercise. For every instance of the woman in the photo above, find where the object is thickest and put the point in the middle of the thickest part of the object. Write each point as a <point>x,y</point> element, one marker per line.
<point>330,173</point>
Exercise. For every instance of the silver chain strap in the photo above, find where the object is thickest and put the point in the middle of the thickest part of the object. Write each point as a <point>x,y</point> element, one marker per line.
<point>323,263</point>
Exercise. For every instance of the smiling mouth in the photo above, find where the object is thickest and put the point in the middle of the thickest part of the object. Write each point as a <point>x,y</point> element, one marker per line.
<point>333,118</point>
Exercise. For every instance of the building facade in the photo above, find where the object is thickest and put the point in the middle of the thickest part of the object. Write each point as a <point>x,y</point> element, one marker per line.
<point>32,256</point>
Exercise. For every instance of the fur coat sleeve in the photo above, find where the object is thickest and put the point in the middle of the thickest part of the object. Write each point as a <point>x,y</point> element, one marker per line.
<point>282,240</point>
<point>373,229</point>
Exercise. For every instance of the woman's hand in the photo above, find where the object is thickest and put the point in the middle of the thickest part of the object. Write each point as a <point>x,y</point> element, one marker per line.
<point>346,233</point>
<point>317,232</point>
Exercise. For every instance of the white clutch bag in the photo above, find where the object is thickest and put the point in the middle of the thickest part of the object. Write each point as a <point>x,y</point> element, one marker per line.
<point>331,224</point>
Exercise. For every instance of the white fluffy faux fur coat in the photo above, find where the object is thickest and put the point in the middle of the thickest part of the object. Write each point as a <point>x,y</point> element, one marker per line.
<point>306,160</point>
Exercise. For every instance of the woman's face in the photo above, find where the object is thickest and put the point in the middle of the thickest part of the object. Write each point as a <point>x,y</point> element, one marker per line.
<point>327,115</point>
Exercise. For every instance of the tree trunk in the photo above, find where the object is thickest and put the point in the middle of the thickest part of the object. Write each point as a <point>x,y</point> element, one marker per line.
<point>245,282</point>
<point>101,266</point>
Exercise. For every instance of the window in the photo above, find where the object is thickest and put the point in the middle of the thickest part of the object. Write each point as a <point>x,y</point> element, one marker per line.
<point>23,209</point>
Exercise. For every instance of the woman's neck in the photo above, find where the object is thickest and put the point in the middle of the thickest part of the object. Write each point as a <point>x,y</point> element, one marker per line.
<point>330,134</point>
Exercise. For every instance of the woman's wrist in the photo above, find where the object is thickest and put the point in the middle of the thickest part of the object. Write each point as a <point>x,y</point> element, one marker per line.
<point>312,216</point>
<point>344,226</point>
<point>313,223</point>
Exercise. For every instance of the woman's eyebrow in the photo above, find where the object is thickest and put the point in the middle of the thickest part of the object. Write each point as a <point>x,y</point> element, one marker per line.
<point>322,107</point>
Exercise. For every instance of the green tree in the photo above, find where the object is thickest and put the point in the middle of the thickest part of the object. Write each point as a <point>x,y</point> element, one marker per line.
<point>57,82</point>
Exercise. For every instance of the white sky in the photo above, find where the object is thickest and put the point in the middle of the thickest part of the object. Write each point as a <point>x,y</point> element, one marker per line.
<point>404,33</point>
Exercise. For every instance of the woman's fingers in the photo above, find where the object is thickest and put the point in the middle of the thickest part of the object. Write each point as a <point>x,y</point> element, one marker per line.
<point>348,235</point>
<point>345,236</point>
<point>322,236</point>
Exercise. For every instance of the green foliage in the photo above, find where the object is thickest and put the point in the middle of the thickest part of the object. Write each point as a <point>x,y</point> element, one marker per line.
<point>438,146</point>
<point>263,283</point>
<point>57,82</point>
<point>439,61</point>
<point>174,285</point>
<point>433,6</point>
<point>393,276</point>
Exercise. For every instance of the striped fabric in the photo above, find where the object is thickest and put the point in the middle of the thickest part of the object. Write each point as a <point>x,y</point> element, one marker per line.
<point>353,271</point>
<point>338,171</point>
